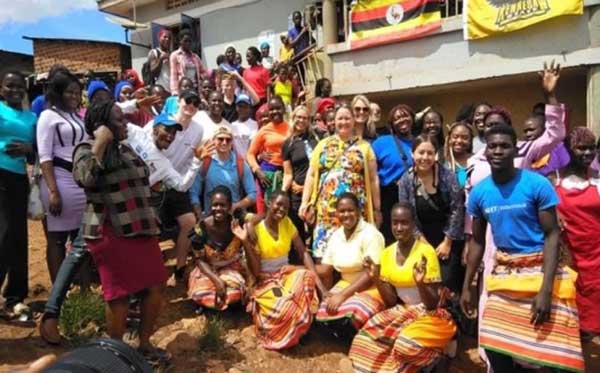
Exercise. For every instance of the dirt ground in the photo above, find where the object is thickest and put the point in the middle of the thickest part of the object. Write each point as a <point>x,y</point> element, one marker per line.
<point>179,329</point>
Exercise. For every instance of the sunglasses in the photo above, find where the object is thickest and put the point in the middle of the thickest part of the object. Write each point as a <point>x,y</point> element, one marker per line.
<point>226,140</point>
<point>361,109</point>
<point>192,101</point>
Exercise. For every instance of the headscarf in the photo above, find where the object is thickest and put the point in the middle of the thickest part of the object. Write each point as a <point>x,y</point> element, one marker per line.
<point>119,87</point>
<point>138,82</point>
<point>95,86</point>
<point>325,104</point>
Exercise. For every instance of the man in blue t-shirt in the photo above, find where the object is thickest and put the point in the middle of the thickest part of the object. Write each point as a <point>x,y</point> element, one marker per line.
<point>520,207</point>
<point>298,34</point>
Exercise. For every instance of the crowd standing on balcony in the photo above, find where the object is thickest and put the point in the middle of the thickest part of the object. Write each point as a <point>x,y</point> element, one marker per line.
<point>308,210</point>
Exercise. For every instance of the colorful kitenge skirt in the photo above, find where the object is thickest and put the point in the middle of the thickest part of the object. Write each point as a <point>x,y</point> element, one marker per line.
<point>506,327</point>
<point>282,307</point>
<point>359,308</point>
<point>202,290</point>
<point>402,339</point>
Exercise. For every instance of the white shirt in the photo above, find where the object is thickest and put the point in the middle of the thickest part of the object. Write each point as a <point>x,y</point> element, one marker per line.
<point>243,133</point>
<point>208,125</point>
<point>347,255</point>
<point>160,167</point>
<point>181,151</point>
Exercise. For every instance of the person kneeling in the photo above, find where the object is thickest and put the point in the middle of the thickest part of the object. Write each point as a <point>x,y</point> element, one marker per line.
<point>414,331</point>
<point>285,297</point>
<point>354,298</point>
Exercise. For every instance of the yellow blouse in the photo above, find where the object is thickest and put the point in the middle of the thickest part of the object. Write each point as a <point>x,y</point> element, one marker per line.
<point>401,276</point>
<point>268,247</point>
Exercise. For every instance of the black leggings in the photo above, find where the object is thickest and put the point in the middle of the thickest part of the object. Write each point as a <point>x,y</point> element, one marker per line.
<point>14,194</point>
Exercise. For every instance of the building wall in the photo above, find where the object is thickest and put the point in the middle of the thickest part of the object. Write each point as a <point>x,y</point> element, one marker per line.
<point>16,61</point>
<point>77,56</point>
<point>445,58</point>
<point>517,94</point>
<point>242,23</point>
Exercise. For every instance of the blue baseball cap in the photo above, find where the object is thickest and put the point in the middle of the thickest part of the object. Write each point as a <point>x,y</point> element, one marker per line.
<point>243,98</point>
<point>167,121</point>
<point>265,44</point>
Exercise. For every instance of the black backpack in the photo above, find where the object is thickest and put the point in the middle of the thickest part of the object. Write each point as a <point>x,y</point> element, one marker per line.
<point>147,76</point>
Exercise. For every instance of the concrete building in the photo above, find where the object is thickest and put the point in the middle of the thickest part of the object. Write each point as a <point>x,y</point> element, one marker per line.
<point>441,70</point>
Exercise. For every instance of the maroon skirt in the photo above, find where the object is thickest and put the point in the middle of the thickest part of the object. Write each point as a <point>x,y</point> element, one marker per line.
<point>127,265</point>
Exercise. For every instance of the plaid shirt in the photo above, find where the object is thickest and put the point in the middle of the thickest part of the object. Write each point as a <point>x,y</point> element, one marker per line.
<point>116,188</point>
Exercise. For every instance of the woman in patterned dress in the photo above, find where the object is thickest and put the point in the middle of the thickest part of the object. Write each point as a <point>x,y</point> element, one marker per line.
<point>340,163</point>
<point>217,280</point>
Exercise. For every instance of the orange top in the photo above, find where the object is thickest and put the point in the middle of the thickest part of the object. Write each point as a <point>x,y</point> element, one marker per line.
<point>270,139</point>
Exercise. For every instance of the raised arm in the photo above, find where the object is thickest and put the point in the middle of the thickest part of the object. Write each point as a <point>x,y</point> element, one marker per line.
<point>555,117</point>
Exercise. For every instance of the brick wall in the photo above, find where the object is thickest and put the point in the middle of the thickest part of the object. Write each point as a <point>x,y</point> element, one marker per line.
<point>78,56</point>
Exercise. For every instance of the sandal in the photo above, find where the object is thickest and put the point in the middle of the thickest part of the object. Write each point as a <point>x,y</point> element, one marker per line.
<point>156,357</point>
<point>21,314</point>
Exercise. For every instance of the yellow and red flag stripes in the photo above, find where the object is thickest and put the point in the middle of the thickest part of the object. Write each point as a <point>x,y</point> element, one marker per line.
<point>377,22</point>
<point>483,18</point>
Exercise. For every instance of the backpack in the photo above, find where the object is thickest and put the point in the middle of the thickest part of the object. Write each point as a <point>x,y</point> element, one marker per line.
<point>147,76</point>
<point>239,161</point>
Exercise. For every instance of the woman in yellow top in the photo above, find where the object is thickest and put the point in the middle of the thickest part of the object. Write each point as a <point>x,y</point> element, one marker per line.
<point>339,163</point>
<point>354,298</point>
<point>415,329</point>
<point>282,86</point>
<point>285,297</point>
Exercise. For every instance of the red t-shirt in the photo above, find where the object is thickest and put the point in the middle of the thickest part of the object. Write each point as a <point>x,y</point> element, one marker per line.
<point>258,78</point>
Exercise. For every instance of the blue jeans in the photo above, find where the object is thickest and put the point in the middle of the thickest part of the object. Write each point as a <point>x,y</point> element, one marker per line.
<point>64,278</point>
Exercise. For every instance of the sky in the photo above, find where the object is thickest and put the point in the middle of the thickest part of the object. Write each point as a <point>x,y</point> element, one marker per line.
<point>71,19</point>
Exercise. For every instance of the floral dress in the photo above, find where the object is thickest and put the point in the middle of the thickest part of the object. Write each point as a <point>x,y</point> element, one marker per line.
<point>339,167</point>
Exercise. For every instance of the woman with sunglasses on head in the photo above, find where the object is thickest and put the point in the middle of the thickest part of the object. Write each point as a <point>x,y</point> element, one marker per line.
<point>365,128</point>
<point>17,135</point>
<point>285,298</point>
<point>394,157</point>
<point>297,150</point>
<point>413,331</point>
<point>268,141</point>
<point>342,162</point>
<point>59,131</point>
<point>217,281</point>
<point>438,207</point>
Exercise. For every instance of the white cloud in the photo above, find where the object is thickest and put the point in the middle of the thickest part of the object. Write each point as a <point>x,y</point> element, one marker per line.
<point>27,11</point>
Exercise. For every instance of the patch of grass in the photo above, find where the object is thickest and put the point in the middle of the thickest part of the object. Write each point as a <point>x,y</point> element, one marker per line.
<point>82,316</point>
<point>212,339</point>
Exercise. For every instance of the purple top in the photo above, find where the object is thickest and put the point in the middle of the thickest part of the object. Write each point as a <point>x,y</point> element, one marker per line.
<point>58,133</point>
<point>559,158</point>
<point>478,167</point>
<point>596,164</point>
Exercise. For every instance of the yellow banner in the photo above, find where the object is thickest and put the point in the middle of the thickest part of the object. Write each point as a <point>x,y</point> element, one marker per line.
<point>485,18</point>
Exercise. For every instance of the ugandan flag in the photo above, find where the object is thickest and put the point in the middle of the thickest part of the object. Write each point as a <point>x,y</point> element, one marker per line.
<point>377,22</point>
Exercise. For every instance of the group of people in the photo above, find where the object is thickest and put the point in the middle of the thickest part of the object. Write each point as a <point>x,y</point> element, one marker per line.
<point>308,212</point>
